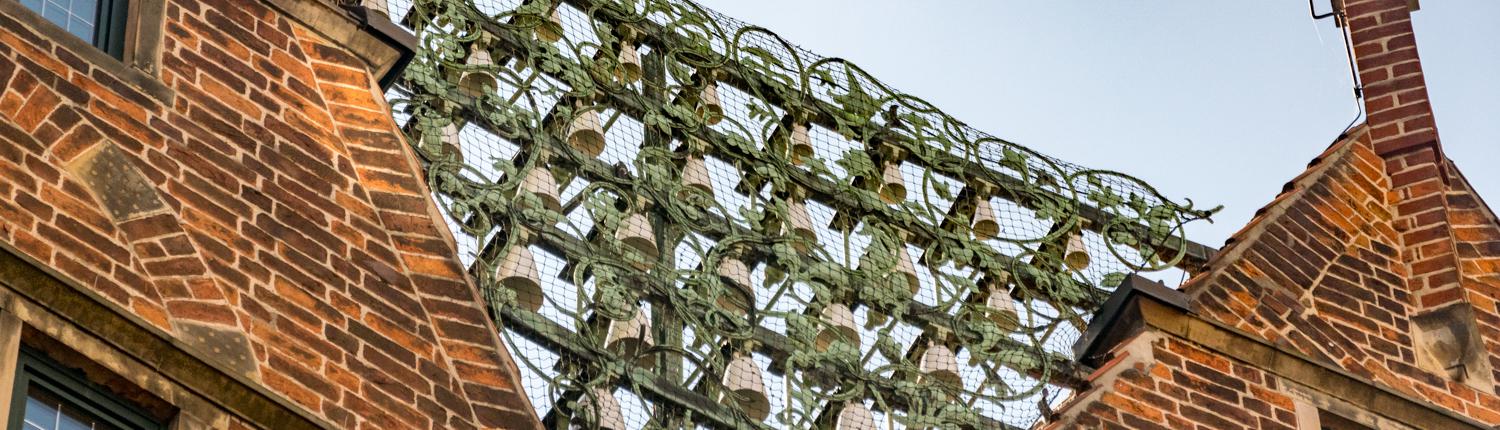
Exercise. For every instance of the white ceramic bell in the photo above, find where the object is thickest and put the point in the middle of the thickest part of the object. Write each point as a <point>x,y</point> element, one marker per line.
<point>855,416</point>
<point>540,183</point>
<point>840,327</point>
<point>736,275</point>
<point>586,133</point>
<point>985,225</point>
<point>909,270</point>
<point>630,338</point>
<point>451,142</point>
<point>1002,309</point>
<point>709,107</point>
<point>1076,255</point>
<point>905,269</point>
<point>475,83</point>
<point>629,69</point>
<point>799,223</point>
<point>607,413</point>
<point>735,271</point>
<point>552,30</point>
<point>695,175</point>
<point>518,273</point>
<point>635,231</point>
<point>743,380</point>
<point>892,185</point>
<point>801,144</point>
<point>940,365</point>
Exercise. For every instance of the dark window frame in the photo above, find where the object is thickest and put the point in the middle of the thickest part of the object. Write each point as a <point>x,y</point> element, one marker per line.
<point>110,24</point>
<point>73,387</point>
<point>134,39</point>
<point>111,21</point>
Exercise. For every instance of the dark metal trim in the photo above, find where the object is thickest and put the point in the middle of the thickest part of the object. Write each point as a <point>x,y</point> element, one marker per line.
<point>71,386</point>
<point>393,35</point>
<point>1107,320</point>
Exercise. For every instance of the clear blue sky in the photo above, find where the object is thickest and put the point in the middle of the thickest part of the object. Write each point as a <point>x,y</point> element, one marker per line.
<point>1217,101</point>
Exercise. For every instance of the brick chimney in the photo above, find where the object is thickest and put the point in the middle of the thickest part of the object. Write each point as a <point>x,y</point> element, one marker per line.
<point>1403,133</point>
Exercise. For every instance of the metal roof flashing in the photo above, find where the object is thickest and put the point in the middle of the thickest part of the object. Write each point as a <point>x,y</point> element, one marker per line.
<point>1119,316</point>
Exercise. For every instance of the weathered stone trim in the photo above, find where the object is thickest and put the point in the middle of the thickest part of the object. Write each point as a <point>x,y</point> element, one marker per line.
<point>1293,366</point>
<point>28,284</point>
<point>383,53</point>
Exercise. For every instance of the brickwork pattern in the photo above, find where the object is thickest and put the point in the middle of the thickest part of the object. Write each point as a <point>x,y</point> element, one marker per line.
<point>296,218</point>
<point>1186,387</point>
<point>1325,278</point>
<point>1380,229</point>
<point>1403,132</point>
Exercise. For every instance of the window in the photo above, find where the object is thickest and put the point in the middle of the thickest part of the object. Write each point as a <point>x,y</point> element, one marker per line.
<point>50,396</point>
<point>100,22</point>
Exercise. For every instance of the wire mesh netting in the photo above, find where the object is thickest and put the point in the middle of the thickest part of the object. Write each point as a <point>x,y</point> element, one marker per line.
<point>684,221</point>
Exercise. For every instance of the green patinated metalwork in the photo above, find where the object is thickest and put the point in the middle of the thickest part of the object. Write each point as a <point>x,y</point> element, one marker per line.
<point>550,64</point>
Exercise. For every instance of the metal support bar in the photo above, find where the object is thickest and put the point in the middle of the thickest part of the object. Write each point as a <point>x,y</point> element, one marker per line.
<point>1195,255</point>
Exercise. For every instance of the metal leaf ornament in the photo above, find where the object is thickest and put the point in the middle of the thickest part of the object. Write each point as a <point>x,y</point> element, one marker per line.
<point>627,166</point>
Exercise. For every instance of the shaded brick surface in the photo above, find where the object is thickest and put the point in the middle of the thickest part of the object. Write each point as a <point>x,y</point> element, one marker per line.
<point>288,220</point>
<point>1380,228</point>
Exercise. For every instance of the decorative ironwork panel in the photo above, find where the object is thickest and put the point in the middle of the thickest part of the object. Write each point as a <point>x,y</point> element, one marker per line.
<point>684,221</point>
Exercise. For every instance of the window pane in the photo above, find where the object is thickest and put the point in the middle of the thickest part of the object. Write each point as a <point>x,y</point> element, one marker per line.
<point>35,5</point>
<point>46,411</point>
<point>78,17</point>
<point>40,414</point>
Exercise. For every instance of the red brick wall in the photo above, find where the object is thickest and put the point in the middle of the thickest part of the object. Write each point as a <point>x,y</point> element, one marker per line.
<point>1319,273</point>
<point>1180,386</point>
<point>296,218</point>
<point>1324,278</point>
<point>1380,229</point>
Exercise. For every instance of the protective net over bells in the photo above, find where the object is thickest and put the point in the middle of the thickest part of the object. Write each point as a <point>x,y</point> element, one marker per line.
<point>695,220</point>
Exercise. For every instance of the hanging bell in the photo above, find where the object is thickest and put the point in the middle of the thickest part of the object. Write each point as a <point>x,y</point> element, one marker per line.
<point>635,231</point>
<point>607,414</point>
<point>709,108</point>
<point>518,273</point>
<point>985,226</point>
<point>801,143</point>
<point>1076,255</point>
<point>478,81</point>
<point>908,270</point>
<point>586,134</point>
<point>904,267</point>
<point>552,30</point>
<point>745,388</point>
<point>1000,306</point>
<point>1002,310</point>
<point>695,176</point>
<point>631,338</point>
<point>840,327</point>
<point>540,183</point>
<point>940,365</point>
<point>629,69</point>
<point>451,142</point>
<point>799,224</point>
<point>737,276</point>
<point>892,185</point>
<point>855,416</point>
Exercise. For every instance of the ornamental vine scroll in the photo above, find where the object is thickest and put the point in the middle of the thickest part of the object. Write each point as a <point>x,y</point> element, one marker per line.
<point>682,221</point>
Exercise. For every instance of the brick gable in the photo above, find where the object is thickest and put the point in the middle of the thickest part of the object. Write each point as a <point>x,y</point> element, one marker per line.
<point>297,226</point>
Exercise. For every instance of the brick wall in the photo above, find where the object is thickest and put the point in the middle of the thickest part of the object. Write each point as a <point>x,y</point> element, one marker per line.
<point>1162,383</point>
<point>296,229</point>
<point>1324,277</point>
<point>1347,267</point>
